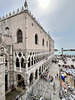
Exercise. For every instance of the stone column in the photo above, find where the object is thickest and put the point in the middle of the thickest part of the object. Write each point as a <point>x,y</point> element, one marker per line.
<point>8,63</point>
<point>8,81</point>
<point>62,51</point>
<point>15,80</point>
<point>27,82</point>
<point>33,60</point>
<point>14,63</point>
<point>26,67</point>
<point>26,62</point>
<point>38,74</point>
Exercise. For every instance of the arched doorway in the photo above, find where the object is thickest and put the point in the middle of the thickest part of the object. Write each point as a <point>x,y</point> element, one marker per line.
<point>20,82</point>
<point>31,78</point>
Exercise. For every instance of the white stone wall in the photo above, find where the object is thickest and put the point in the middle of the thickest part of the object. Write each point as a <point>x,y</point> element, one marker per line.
<point>2,79</point>
<point>36,29</point>
<point>14,23</point>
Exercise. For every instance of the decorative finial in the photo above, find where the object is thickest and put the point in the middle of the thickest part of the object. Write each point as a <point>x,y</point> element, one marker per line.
<point>25,4</point>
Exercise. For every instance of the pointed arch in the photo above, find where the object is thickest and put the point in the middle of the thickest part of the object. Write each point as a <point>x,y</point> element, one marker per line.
<point>43,42</point>
<point>17,62</point>
<point>36,39</point>
<point>20,81</point>
<point>19,36</point>
<point>22,63</point>
<point>29,62</point>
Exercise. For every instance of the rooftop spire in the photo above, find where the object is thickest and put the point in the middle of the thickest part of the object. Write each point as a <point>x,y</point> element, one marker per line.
<point>26,5</point>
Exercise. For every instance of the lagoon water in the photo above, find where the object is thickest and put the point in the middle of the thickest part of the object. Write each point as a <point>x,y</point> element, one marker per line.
<point>65,52</point>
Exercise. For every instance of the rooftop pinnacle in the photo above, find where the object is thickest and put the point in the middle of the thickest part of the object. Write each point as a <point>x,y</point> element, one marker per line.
<point>25,4</point>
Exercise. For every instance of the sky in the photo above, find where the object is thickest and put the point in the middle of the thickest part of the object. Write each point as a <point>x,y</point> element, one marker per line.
<point>56,16</point>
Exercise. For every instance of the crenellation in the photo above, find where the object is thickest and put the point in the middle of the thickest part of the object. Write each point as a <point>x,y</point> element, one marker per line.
<point>6,15</point>
<point>17,10</point>
<point>9,14</point>
<point>3,17</point>
<point>13,12</point>
<point>22,8</point>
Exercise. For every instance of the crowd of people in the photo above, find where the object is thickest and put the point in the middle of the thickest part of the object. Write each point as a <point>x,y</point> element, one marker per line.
<point>67,72</point>
<point>47,77</point>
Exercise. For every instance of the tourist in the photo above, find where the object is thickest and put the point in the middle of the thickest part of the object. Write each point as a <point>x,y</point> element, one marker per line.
<point>54,86</point>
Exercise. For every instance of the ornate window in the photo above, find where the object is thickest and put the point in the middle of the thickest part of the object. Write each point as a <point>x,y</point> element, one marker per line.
<point>19,36</point>
<point>29,62</point>
<point>22,63</point>
<point>43,42</point>
<point>47,43</point>
<point>36,39</point>
<point>17,63</point>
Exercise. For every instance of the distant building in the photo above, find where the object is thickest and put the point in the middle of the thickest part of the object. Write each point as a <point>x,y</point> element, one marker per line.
<point>27,47</point>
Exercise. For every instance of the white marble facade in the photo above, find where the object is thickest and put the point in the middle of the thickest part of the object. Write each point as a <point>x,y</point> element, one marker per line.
<point>30,48</point>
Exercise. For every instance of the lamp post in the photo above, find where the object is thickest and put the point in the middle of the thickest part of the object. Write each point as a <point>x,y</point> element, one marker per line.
<point>62,51</point>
